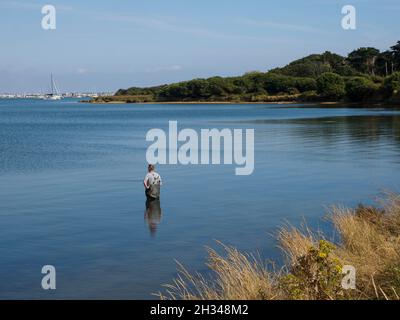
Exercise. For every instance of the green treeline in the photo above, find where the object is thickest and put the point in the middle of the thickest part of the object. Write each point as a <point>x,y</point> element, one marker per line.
<point>365,75</point>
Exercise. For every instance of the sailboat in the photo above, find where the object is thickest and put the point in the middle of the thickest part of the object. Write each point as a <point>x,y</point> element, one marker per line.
<point>54,95</point>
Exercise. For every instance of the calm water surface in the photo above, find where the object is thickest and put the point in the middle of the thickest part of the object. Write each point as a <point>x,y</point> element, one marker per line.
<point>71,188</point>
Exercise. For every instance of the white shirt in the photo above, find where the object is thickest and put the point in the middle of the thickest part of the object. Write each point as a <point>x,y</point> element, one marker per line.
<point>152,178</point>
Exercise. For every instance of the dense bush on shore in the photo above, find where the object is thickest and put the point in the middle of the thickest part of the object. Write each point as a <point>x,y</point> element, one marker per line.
<point>331,86</point>
<point>125,99</point>
<point>368,240</point>
<point>366,74</point>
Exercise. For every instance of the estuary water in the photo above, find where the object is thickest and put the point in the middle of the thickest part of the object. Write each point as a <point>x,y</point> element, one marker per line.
<point>71,191</point>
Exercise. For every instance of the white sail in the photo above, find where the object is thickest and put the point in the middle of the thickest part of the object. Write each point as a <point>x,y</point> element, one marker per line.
<point>55,94</point>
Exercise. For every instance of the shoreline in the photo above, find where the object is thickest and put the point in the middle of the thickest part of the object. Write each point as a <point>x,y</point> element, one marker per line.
<point>323,103</point>
<point>190,102</point>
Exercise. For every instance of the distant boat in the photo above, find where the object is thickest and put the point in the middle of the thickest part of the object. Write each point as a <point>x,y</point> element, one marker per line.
<point>54,95</point>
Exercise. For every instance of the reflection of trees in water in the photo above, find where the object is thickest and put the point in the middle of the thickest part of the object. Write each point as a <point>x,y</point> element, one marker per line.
<point>360,128</point>
<point>357,129</point>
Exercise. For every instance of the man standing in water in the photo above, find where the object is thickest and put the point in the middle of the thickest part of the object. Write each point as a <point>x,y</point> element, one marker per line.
<point>152,183</point>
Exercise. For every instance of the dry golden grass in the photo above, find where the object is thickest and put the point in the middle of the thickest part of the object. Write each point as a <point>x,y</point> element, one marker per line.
<point>234,270</point>
<point>369,241</point>
<point>295,243</point>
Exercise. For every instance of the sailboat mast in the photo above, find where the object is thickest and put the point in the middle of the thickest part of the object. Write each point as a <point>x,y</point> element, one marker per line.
<point>54,95</point>
<point>52,84</point>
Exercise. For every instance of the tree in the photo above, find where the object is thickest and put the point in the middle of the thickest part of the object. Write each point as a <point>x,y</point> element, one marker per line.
<point>330,85</point>
<point>311,66</point>
<point>255,82</point>
<point>363,59</point>
<point>385,63</point>
<point>396,55</point>
<point>360,88</point>
<point>305,84</point>
<point>391,85</point>
<point>333,59</point>
<point>198,89</point>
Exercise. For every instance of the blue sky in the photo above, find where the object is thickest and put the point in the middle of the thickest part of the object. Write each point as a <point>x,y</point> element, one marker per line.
<point>106,45</point>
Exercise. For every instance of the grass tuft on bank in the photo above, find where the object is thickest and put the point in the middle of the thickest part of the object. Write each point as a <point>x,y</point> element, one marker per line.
<point>369,240</point>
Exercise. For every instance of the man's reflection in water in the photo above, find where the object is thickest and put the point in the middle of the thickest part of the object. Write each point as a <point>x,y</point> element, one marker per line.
<point>153,214</point>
